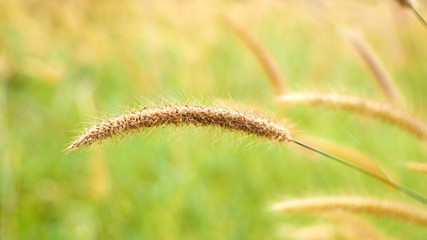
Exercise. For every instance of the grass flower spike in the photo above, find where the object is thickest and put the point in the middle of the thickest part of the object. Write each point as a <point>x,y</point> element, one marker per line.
<point>178,115</point>
<point>381,111</point>
<point>387,208</point>
<point>382,77</point>
<point>208,116</point>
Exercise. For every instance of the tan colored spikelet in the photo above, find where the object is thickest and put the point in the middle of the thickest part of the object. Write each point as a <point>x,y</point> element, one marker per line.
<point>382,77</point>
<point>381,111</point>
<point>262,54</point>
<point>351,155</point>
<point>179,115</point>
<point>381,207</point>
<point>417,166</point>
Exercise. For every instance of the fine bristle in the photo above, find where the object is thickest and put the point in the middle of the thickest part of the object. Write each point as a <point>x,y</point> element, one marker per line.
<point>381,207</point>
<point>178,115</point>
<point>381,111</point>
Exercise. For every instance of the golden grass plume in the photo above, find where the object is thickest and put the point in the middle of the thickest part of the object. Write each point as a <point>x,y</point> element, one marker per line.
<point>178,115</point>
<point>381,111</point>
<point>417,166</point>
<point>381,207</point>
<point>263,55</point>
<point>203,116</point>
<point>382,77</point>
<point>223,116</point>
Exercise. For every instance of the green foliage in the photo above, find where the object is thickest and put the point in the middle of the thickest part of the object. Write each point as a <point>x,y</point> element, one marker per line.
<point>61,66</point>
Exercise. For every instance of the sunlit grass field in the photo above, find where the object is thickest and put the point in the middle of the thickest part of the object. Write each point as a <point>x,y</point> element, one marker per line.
<point>65,65</point>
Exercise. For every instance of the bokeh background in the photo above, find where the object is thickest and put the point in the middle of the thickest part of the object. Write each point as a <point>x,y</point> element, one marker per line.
<point>66,64</point>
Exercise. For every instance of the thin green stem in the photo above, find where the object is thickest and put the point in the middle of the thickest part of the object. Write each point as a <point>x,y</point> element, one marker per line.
<point>397,186</point>
<point>390,179</point>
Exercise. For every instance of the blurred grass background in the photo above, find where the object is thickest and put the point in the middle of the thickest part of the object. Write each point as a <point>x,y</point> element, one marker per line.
<point>63,64</point>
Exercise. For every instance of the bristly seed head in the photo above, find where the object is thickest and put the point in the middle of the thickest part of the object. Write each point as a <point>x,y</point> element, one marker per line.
<point>178,115</point>
<point>381,111</point>
<point>381,207</point>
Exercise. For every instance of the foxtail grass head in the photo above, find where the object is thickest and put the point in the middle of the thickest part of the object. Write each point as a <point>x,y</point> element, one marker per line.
<point>179,115</point>
<point>381,207</point>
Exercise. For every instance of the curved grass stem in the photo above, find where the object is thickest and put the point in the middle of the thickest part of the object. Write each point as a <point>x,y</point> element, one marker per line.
<point>395,185</point>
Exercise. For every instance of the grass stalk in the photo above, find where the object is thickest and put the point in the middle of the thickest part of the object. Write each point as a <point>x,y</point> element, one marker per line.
<point>349,154</point>
<point>409,192</point>
<point>277,80</point>
<point>206,116</point>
